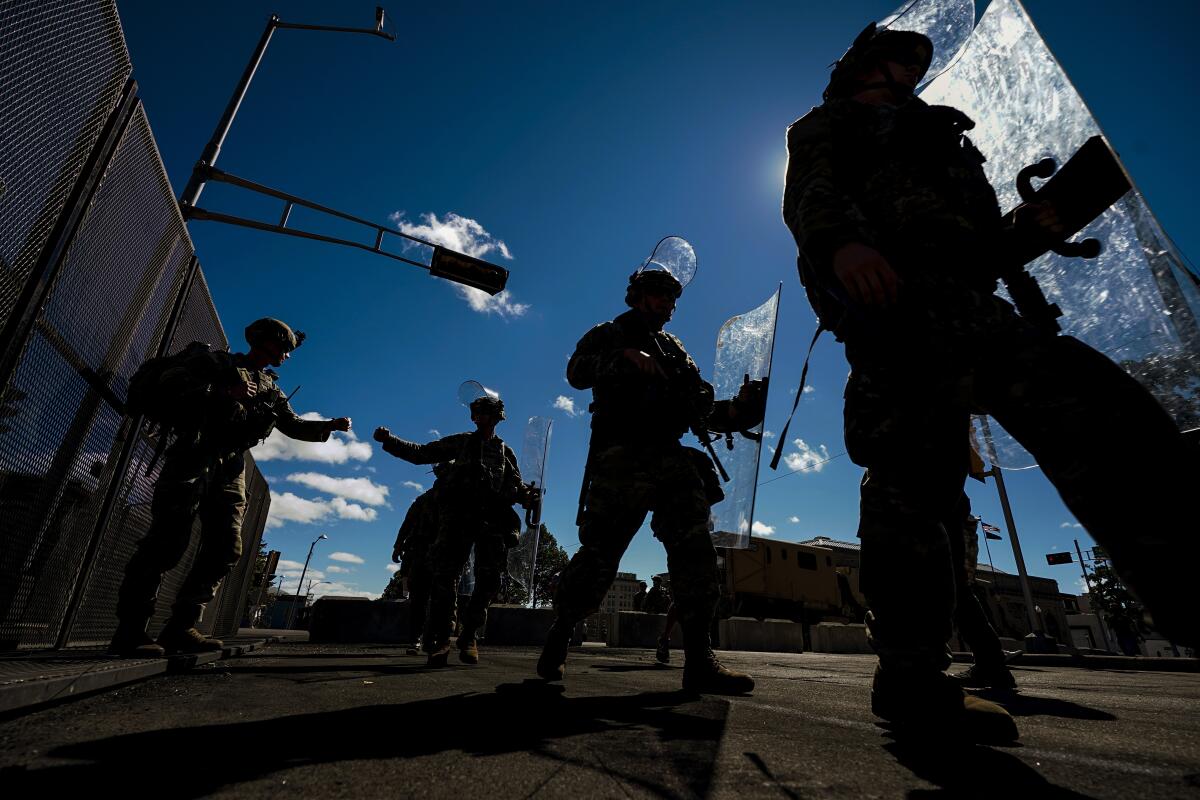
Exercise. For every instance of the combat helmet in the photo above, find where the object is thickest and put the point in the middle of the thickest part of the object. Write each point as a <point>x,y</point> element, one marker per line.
<point>488,404</point>
<point>477,397</point>
<point>872,48</point>
<point>270,329</point>
<point>670,267</point>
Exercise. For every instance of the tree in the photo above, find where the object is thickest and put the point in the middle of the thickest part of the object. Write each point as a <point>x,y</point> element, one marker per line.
<point>1120,610</point>
<point>551,559</point>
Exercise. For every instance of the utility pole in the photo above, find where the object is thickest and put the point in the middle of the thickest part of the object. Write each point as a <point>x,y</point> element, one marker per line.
<point>303,572</point>
<point>1088,583</point>
<point>1036,641</point>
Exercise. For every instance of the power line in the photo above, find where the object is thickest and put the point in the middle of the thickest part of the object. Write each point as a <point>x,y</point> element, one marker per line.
<point>812,466</point>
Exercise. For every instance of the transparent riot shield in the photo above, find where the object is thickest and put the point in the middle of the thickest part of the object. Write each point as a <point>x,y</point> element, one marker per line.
<point>744,348</point>
<point>1138,302</point>
<point>469,391</point>
<point>522,559</point>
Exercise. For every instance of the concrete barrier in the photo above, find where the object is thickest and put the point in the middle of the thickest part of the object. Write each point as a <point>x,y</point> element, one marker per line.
<point>834,637</point>
<point>517,625</point>
<point>357,619</point>
<point>767,636</point>
<point>636,629</point>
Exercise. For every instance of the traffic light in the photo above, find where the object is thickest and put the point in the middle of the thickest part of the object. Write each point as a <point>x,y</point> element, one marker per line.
<point>1059,558</point>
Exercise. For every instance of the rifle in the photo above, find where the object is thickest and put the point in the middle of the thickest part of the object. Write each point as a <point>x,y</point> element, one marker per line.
<point>676,374</point>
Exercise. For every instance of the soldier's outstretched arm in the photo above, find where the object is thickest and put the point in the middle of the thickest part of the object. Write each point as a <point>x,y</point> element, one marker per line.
<point>291,425</point>
<point>444,449</point>
<point>821,218</point>
<point>598,355</point>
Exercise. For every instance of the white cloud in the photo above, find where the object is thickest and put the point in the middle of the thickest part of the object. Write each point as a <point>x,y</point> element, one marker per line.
<point>566,405</point>
<point>287,507</point>
<point>1070,525</point>
<point>793,520</point>
<point>416,487</point>
<point>465,235</point>
<point>285,564</point>
<point>334,568</point>
<point>340,448</point>
<point>393,568</point>
<point>809,389</point>
<point>362,489</point>
<point>348,558</point>
<point>761,529</point>
<point>435,433</point>
<point>322,588</point>
<point>806,458</point>
<point>768,434</point>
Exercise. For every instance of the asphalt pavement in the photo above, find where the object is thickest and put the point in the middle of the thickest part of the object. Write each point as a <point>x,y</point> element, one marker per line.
<point>314,721</point>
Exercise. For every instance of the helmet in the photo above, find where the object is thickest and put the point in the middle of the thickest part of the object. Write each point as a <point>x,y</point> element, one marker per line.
<point>651,280</point>
<point>872,48</point>
<point>488,404</point>
<point>271,329</point>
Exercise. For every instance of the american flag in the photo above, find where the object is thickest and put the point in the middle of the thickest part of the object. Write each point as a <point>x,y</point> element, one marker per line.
<point>990,531</point>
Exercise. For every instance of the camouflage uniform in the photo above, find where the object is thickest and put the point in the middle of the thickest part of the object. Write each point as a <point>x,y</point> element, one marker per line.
<point>636,465</point>
<point>474,508</point>
<point>414,541</point>
<point>906,181</point>
<point>203,475</point>
<point>969,617</point>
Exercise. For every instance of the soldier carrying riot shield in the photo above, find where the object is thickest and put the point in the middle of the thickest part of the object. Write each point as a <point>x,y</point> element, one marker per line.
<point>647,392</point>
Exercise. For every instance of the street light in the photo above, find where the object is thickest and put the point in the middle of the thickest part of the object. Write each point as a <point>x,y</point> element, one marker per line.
<point>447,264</point>
<point>303,572</point>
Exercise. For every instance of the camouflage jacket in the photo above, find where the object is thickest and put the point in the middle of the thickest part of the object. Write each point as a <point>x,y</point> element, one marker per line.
<point>627,405</point>
<point>217,423</point>
<point>484,470</point>
<point>902,179</point>
<point>419,528</point>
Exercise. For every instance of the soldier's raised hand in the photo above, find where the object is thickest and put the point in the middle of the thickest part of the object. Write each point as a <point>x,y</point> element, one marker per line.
<point>868,277</point>
<point>339,424</point>
<point>381,434</point>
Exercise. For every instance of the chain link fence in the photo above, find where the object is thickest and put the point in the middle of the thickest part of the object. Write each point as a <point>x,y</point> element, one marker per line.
<point>97,274</point>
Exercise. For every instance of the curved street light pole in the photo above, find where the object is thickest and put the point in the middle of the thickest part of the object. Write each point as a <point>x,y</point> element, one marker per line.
<point>303,572</point>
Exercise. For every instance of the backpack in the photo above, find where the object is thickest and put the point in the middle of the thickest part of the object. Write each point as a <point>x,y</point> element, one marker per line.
<point>147,397</point>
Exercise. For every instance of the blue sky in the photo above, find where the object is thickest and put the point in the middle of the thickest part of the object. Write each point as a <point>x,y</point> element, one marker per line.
<point>577,135</point>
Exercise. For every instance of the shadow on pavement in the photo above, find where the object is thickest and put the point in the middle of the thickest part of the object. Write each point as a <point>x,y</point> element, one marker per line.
<point>974,771</point>
<point>663,742</point>
<point>630,667</point>
<point>1023,705</point>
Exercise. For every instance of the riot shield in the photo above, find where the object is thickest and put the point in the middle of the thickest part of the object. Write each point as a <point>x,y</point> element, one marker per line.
<point>744,347</point>
<point>522,559</point>
<point>1137,302</point>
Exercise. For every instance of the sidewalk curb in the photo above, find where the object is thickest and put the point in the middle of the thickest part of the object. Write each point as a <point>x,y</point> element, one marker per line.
<point>54,684</point>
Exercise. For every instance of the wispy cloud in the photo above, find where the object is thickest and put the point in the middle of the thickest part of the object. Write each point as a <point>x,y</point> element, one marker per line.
<point>416,487</point>
<point>435,433</point>
<point>287,507</point>
<point>347,558</point>
<point>465,235</point>
<point>566,405</point>
<point>768,434</point>
<point>393,568</point>
<point>334,568</point>
<point>340,448</point>
<point>1070,525</point>
<point>806,458</point>
<point>761,529</point>
<point>361,489</point>
<point>793,519</point>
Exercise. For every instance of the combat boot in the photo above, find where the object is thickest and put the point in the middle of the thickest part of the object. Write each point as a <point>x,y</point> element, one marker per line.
<point>931,704</point>
<point>129,642</point>
<point>986,676</point>
<point>704,674</point>
<point>468,648</point>
<point>439,654</point>
<point>180,641</point>
<point>552,664</point>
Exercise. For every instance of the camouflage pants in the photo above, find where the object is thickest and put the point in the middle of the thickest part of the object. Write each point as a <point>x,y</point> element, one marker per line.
<point>458,532</point>
<point>214,491</point>
<point>627,482</point>
<point>906,407</point>
<point>418,570</point>
<point>969,616</point>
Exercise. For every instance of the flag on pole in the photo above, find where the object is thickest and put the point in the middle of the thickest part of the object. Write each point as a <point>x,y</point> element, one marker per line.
<point>991,531</point>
